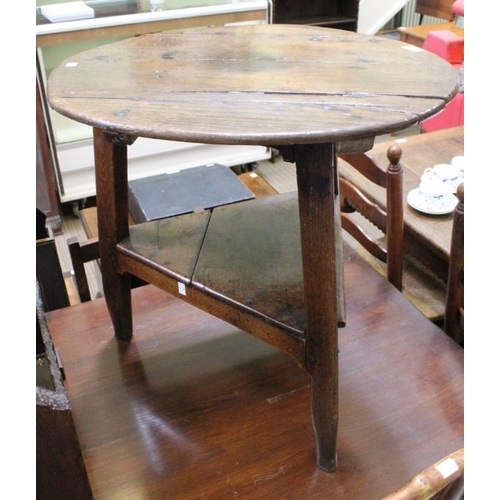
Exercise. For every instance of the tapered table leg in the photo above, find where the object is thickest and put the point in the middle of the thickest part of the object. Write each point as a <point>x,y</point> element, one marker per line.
<point>112,215</point>
<point>316,178</point>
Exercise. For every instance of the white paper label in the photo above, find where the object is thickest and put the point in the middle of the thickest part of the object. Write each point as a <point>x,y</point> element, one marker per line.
<point>447,467</point>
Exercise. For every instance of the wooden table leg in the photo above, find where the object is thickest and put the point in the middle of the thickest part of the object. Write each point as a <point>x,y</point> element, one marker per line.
<point>316,180</point>
<point>112,221</point>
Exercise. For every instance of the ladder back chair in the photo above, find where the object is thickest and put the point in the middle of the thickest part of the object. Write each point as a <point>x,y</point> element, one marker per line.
<point>389,220</point>
<point>379,231</point>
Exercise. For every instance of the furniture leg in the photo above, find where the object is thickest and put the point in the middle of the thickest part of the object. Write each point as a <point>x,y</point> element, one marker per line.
<point>81,253</point>
<point>316,194</point>
<point>454,313</point>
<point>112,223</point>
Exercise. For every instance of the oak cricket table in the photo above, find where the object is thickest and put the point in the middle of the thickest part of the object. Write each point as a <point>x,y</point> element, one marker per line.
<point>268,266</point>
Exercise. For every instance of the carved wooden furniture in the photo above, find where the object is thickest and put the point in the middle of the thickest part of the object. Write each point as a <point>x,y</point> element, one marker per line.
<point>384,247</point>
<point>426,238</point>
<point>192,393</point>
<point>270,266</point>
<point>388,219</point>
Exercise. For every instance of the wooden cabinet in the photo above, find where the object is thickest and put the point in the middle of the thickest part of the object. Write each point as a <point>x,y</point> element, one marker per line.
<point>60,468</point>
<point>340,14</point>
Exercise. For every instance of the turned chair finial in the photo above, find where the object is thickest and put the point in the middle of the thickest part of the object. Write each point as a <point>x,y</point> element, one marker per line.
<point>394,154</point>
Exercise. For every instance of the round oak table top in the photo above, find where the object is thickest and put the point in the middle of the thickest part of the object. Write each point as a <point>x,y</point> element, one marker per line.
<point>256,85</point>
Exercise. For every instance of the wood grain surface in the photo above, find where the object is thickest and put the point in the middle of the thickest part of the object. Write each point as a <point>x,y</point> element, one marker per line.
<point>193,408</point>
<point>253,85</point>
<point>307,91</point>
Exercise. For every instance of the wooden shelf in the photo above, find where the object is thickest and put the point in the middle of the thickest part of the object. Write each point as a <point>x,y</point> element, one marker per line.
<point>340,14</point>
<point>206,256</point>
<point>341,22</point>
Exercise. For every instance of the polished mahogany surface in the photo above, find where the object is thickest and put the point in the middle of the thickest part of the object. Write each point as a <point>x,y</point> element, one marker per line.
<point>193,408</point>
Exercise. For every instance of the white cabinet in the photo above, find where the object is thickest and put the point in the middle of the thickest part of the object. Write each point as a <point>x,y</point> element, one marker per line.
<point>71,142</point>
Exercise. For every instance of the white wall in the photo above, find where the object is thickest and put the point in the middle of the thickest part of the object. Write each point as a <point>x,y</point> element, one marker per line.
<point>374,14</point>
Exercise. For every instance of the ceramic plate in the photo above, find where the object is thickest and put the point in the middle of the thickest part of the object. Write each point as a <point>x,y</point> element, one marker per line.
<point>443,205</point>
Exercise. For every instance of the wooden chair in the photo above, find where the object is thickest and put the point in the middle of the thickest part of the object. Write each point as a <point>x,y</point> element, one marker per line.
<point>443,480</point>
<point>441,9</point>
<point>380,232</point>
<point>389,220</point>
<point>454,312</point>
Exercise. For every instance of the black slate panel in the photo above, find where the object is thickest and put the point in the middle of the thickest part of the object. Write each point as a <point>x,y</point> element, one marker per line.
<point>189,190</point>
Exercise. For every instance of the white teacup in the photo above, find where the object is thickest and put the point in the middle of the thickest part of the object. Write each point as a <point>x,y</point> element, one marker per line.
<point>460,162</point>
<point>433,189</point>
<point>445,172</point>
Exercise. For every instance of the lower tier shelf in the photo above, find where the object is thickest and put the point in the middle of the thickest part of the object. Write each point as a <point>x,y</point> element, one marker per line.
<point>245,256</point>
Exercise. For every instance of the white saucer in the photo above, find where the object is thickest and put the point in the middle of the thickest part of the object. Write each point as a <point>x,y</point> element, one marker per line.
<point>433,206</point>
